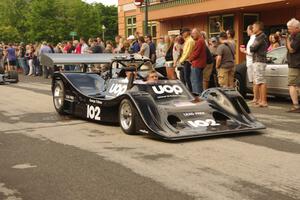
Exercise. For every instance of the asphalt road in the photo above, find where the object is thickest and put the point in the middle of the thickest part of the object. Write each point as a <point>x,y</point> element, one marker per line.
<point>47,157</point>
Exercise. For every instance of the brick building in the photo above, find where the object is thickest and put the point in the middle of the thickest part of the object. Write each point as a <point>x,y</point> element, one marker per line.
<point>169,16</point>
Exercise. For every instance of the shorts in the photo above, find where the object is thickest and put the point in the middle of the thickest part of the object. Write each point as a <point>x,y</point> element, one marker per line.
<point>259,73</point>
<point>12,62</point>
<point>294,77</point>
<point>207,72</point>
<point>250,72</point>
<point>226,76</point>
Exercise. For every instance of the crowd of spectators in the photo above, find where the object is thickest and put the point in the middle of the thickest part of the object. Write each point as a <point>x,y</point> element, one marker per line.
<point>190,56</point>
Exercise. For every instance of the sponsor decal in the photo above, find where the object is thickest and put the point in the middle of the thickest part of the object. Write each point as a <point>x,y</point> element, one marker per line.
<point>93,112</point>
<point>117,89</point>
<point>169,89</point>
<point>95,101</point>
<point>203,123</point>
<point>188,114</point>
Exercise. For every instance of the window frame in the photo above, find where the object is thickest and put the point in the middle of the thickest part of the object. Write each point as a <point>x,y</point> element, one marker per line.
<point>221,17</point>
<point>131,26</point>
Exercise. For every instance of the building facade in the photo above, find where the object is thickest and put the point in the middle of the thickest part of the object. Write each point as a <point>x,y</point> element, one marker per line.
<point>169,16</point>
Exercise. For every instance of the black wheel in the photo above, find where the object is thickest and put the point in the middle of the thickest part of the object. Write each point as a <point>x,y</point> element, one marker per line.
<point>239,85</point>
<point>13,75</point>
<point>59,97</point>
<point>128,117</point>
<point>2,70</point>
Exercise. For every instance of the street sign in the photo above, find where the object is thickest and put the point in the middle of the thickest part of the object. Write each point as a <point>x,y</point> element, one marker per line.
<point>73,33</point>
<point>138,2</point>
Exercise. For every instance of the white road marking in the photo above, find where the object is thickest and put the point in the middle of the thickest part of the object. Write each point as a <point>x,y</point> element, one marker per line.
<point>23,166</point>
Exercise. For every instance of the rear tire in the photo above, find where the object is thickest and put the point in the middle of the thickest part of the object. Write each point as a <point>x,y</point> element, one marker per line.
<point>128,117</point>
<point>59,97</point>
<point>239,85</point>
<point>13,75</point>
<point>2,70</point>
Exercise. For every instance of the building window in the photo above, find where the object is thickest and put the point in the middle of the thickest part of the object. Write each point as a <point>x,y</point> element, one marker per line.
<point>152,30</point>
<point>220,23</point>
<point>248,19</point>
<point>130,25</point>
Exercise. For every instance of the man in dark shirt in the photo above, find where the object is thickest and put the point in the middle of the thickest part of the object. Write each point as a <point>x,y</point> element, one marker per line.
<point>96,48</point>
<point>12,58</point>
<point>21,58</point>
<point>293,56</point>
<point>148,39</point>
<point>225,62</point>
<point>259,50</point>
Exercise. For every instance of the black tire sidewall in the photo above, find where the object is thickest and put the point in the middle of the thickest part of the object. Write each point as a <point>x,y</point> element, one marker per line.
<point>2,70</point>
<point>13,75</point>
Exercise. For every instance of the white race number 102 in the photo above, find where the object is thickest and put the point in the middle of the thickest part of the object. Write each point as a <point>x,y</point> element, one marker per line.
<point>93,112</point>
<point>203,123</point>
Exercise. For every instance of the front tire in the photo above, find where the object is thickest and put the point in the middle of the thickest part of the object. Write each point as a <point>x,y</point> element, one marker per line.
<point>128,117</point>
<point>59,97</point>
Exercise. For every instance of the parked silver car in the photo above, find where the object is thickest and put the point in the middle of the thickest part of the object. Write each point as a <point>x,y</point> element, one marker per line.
<point>276,74</point>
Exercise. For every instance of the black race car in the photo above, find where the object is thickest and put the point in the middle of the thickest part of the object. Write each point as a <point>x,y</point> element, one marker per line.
<point>8,77</point>
<point>164,109</point>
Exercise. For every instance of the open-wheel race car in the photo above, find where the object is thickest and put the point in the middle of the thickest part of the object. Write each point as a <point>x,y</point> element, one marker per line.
<point>8,77</point>
<point>164,109</point>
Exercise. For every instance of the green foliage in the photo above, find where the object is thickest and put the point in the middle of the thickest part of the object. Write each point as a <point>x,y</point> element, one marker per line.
<point>53,20</point>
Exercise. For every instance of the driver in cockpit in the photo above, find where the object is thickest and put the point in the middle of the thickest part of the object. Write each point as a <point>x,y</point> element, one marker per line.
<point>152,77</point>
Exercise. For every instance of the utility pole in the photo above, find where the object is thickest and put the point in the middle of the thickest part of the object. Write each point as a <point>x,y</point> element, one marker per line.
<point>146,17</point>
<point>103,32</point>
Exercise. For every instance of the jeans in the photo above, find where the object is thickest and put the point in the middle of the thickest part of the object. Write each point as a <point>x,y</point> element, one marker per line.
<point>23,65</point>
<point>197,80</point>
<point>186,75</point>
<point>47,71</point>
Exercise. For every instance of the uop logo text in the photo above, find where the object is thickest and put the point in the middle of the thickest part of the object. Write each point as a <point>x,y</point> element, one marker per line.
<point>171,89</point>
<point>117,89</point>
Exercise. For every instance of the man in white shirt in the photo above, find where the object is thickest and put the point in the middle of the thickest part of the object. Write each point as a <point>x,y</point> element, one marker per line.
<point>84,46</point>
<point>145,49</point>
<point>249,60</point>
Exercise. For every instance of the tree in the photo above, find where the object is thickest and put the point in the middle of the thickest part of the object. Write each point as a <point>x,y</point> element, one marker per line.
<point>53,20</point>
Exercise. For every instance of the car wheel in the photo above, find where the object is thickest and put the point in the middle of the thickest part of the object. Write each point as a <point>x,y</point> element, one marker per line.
<point>59,97</point>
<point>2,70</point>
<point>13,75</point>
<point>239,85</point>
<point>127,117</point>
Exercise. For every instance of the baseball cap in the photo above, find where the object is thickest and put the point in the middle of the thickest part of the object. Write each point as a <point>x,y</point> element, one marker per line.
<point>213,39</point>
<point>223,35</point>
<point>183,30</point>
<point>131,37</point>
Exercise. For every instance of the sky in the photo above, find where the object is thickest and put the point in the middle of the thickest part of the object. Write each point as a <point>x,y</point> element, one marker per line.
<point>105,2</point>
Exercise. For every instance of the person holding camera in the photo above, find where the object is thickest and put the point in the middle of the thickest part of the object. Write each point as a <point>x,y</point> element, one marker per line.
<point>293,56</point>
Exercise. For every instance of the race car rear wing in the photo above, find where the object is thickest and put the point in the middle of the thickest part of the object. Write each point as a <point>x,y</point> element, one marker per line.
<point>52,59</point>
